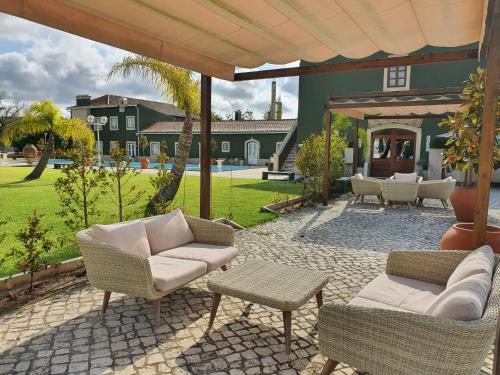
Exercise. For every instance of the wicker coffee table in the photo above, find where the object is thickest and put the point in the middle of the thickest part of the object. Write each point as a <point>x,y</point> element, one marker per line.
<point>283,287</point>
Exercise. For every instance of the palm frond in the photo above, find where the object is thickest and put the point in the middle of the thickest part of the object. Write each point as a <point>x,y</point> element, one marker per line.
<point>75,129</point>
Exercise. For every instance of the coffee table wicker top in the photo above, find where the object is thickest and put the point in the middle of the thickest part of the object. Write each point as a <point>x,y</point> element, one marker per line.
<point>270,284</point>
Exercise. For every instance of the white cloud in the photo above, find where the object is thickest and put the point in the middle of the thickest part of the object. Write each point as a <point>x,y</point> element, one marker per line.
<point>37,62</point>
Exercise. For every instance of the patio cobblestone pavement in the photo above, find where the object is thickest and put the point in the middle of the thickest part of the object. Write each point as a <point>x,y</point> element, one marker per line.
<point>67,334</point>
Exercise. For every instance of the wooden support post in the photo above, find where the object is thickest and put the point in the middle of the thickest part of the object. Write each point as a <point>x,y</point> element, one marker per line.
<point>328,132</point>
<point>355,147</point>
<point>487,136</point>
<point>206,129</point>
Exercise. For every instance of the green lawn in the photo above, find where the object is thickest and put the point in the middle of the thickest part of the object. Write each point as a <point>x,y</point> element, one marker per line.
<point>18,198</point>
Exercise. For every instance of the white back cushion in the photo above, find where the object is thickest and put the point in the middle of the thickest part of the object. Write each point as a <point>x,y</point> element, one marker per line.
<point>481,260</point>
<point>359,176</point>
<point>130,237</point>
<point>168,231</point>
<point>405,177</point>
<point>465,300</point>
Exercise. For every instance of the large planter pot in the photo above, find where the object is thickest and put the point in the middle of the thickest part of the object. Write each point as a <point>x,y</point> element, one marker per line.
<point>463,201</point>
<point>461,237</point>
<point>30,152</point>
<point>144,163</point>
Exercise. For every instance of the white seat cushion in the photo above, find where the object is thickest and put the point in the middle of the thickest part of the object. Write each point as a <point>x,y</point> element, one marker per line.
<point>407,294</point>
<point>464,300</point>
<point>365,302</point>
<point>168,231</point>
<point>481,260</point>
<point>130,237</point>
<point>169,273</point>
<point>213,255</point>
<point>405,177</point>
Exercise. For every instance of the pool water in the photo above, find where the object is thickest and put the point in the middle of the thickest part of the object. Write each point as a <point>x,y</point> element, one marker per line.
<point>189,167</point>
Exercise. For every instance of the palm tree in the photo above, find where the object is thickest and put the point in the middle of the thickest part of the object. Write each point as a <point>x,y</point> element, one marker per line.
<point>46,117</point>
<point>178,85</point>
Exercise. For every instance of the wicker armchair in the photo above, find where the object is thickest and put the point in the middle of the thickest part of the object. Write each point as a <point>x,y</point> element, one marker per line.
<point>439,189</point>
<point>405,192</point>
<point>387,342</point>
<point>362,186</point>
<point>114,270</point>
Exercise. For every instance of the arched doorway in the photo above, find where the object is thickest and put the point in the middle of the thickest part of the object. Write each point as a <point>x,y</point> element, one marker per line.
<point>252,151</point>
<point>392,150</point>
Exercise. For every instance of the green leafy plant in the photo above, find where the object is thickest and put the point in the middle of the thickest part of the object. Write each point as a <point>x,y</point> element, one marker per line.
<point>31,257</point>
<point>124,193</point>
<point>160,181</point>
<point>46,117</point>
<point>143,144</point>
<point>79,187</point>
<point>462,147</point>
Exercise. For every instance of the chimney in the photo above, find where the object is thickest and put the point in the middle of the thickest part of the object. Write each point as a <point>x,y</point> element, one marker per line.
<point>237,115</point>
<point>273,100</point>
<point>83,100</point>
<point>279,109</point>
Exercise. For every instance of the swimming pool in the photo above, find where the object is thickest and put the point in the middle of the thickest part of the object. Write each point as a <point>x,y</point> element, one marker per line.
<point>189,167</point>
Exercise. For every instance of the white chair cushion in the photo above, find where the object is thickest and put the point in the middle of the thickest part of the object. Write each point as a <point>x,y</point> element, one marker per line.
<point>481,260</point>
<point>405,177</point>
<point>130,237</point>
<point>464,300</point>
<point>168,231</point>
<point>403,293</point>
<point>359,176</point>
<point>365,302</point>
<point>169,273</point>
<point>213,255</point>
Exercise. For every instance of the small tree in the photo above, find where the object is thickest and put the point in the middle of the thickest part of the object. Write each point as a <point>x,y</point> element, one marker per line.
<point>30,258</point>
<point>80,187</point>
<point>143,144</point>
<point>160,181</point>
<point>125,194</point>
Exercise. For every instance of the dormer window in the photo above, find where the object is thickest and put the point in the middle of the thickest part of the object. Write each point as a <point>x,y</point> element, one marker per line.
<point>397,78</point>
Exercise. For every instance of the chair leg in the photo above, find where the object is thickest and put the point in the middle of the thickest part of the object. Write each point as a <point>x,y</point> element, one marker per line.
<point>224,267</point>
<point>105,301</point>
<point>156,312</point>
<point>357,197</point>
<point>213,311</point>
<point>445,204</point>
<point>319,299</point>
<point>420,201</point>
<point>329,367</point>
<point>287,323</point>
<point>362,198</point>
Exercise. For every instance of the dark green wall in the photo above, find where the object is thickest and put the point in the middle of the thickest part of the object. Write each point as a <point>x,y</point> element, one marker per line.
<point>315,89</point>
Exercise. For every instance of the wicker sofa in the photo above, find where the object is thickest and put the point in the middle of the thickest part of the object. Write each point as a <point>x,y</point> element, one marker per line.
<point>112,269</point>
<point>404,192</point>
<point>386,340</point>
<point>362,186</point>
<point>436,189</point>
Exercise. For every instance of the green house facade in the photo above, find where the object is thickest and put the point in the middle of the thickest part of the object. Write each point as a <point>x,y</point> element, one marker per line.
<point>248,142</point>
<point>315,91</point>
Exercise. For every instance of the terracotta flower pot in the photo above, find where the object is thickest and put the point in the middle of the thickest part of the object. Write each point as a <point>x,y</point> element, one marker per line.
<point>460,237</point>
<point>463,201</point>
<point>144,163</point>
<point>30,153</point>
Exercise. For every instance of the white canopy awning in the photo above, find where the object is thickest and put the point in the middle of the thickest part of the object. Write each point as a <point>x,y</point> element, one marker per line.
<point>215,36</point>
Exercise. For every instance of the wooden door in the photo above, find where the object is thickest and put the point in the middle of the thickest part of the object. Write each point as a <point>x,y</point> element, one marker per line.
<point>392,150</point>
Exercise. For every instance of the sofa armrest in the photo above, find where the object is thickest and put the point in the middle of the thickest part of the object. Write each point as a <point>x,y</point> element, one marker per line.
<point>431,266</point>
<point>392,342</point>
<point>209,232</point>
<point>112,269</point>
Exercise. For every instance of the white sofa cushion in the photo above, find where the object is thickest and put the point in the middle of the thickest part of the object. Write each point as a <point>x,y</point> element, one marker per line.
<point>169,273</point>
<point>213,255</point>
<point>365,302</point>
<point>359,176</point>
<point>464,300</point>
<point>405,177</point>
<point>130,237</point>
<point>403,293</point>
<point>168,231</point>
<point>481,260</point>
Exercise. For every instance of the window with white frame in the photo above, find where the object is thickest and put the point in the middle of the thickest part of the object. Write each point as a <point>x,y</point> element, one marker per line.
<point>130,122</point>
<point>113,123</point>
<point>99,147</point>
<point>113,145</point>
<point>176,147</point>
<point>397,77</point>
<point>154,148</point>
<point>225,146</point>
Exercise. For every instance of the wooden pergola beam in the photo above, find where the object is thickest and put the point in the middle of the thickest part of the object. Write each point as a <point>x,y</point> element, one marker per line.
<point>430,58</point>
<point>399,93</point>
<point>405,117</point>
<point>408,103</point>
<point>206,134</point>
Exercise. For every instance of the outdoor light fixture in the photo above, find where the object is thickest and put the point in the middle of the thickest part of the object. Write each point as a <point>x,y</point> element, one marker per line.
<point>97,123</point>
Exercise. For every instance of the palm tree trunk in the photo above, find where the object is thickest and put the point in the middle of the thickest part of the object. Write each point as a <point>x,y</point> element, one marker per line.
<point>44,160</point>
<point>167,194</point>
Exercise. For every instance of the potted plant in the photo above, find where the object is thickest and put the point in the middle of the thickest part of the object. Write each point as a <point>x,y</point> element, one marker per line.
<point>143,144</point>
<point>462,147</point>
<point>30,152</point>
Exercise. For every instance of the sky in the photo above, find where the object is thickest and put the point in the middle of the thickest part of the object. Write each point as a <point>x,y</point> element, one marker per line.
<point>37,62</point>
